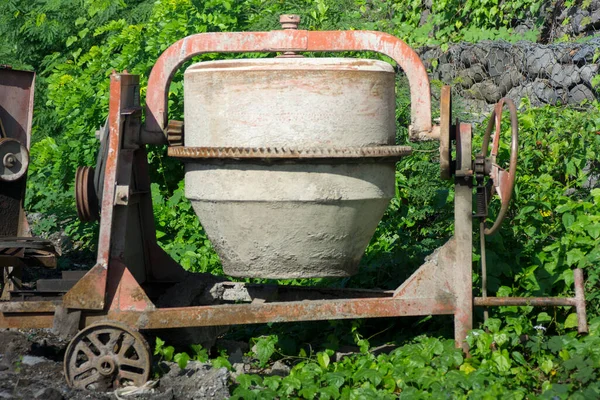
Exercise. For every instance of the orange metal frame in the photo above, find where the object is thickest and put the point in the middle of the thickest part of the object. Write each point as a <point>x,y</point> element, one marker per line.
<point>129,257</point>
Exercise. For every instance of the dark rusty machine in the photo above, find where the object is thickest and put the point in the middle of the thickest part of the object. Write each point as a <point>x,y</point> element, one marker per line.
<point>117,297</point>
<point>18,248</point>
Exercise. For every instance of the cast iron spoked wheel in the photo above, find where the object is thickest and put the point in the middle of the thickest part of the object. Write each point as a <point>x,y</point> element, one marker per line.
<point>105,356</point>
<point>503,181</point>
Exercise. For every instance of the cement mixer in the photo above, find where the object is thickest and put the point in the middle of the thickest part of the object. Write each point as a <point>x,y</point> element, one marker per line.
<point>290,165</point>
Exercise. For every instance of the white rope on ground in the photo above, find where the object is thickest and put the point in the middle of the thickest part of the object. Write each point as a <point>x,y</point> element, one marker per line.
<point>126,391</point>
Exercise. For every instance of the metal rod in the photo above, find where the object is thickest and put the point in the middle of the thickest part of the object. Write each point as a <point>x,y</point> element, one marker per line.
<point>483,265</point>
<point>524,301</point>
<point>582,326</point>
<point>313,310</point>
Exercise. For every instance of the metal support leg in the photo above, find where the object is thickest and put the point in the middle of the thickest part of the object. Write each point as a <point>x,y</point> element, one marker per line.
<point>463,233</point>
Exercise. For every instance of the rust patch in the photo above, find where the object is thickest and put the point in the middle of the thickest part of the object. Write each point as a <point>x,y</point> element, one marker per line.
<point>283,312</point>
<point>89,292</point>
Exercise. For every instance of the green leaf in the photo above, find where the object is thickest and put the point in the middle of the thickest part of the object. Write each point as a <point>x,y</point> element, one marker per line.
<point>182,359</point>
<point>567,220</point>
<point>518,357</point>
<point>546,366</point>
<point>502,360</point>
<point>323,359</point>
<point>336,379</point>
<point>371,375</point>
<point>543,317</point>
<point>329,392</point>
<point>493,324</point>
<point>265,347</point>
<point>167,353</point>
<point>593,230</point>
<point>221,362</point>
<point>574,256</point>
<point>200,353</point>
<point>159,343</point>
<point>71,40</point>
<point>272,382</point>
<point>571,321</point>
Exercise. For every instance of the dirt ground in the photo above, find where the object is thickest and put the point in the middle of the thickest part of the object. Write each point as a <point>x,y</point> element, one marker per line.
<point>31,367</point>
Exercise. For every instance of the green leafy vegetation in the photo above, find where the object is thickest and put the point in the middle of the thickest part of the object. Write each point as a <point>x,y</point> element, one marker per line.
<point>513,360</point>
<point>553,224</point>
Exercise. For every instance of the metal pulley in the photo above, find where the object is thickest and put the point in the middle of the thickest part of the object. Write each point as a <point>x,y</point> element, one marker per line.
<point>14,160</point>
<point>501,181</point>
<point>89,182</point>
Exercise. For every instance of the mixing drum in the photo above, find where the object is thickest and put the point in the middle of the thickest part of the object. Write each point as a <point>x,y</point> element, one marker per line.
<point>290,218</point>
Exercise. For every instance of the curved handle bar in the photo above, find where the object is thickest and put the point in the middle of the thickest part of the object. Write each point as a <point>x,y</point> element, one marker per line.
<point>503,181</point>
<point>298,41</point>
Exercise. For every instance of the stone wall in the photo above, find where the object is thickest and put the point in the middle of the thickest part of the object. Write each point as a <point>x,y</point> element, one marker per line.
<point>484,72</point>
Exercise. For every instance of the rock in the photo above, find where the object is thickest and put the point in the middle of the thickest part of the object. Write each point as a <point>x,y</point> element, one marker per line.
<point>424,17</point>
<point>467,77</point>
<point>509,79</point>
<point>517,93</point>
<point>197,381</point>
<point>593,180</point>
<point>452,56</point>
<point>236,357</point>
<point>595,19</point>
<point>345,351</point>
<point>565,75</point>
<point>6,395</point>
<point>486,90</point>
<point>587,72</point>
<point>215,386</point>
<point>472,55</point>
<point>546,92</point>
<point>584,55</point>
<point>580,93</point>
<point>446,73</point>
<point>564,54</point>
<point>239,369</point>
<point>48,393</point>
<point>429,55</point>
<point>524,27</point>
<point>280,369</point>
<point>540,61</point>
<point>32,360</point>
<point>233,346</point>
<point>498,61</point>
<point>580,21</point>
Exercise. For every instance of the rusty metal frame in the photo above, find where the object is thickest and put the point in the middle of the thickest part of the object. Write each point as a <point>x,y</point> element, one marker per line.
<point>129,257</point>
<point>289,40</point>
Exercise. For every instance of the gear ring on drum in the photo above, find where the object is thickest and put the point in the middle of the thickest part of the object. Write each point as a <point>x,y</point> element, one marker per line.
<point>14,160</point>
<point>107,355</point>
